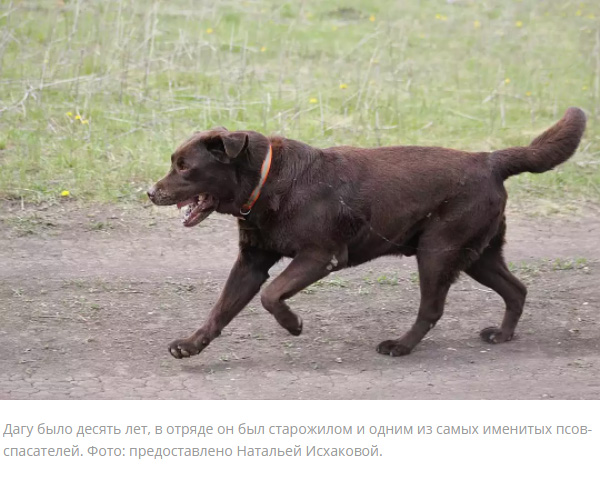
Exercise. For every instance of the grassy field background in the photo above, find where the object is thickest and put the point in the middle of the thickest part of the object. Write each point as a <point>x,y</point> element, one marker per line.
<point>94,95</point>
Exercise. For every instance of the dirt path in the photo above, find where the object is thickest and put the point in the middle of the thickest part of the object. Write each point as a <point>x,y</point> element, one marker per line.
<point>90,298</point>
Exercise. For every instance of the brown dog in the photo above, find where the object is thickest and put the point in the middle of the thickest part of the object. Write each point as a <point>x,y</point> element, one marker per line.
<point>333,208</point>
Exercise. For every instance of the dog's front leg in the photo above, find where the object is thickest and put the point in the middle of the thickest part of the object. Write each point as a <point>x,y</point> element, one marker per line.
<point>250,271</point>
<point>307,267</point>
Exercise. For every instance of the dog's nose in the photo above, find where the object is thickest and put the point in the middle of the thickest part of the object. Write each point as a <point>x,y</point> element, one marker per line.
<point>151,193</point>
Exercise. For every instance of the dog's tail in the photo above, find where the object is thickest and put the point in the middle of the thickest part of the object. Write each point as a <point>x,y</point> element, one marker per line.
<point>547,151</point>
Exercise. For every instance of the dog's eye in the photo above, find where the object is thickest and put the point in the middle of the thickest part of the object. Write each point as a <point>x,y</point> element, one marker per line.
<point>181,165</point>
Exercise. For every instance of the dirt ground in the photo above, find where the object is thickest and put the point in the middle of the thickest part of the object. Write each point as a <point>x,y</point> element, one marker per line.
<point>91,296</point>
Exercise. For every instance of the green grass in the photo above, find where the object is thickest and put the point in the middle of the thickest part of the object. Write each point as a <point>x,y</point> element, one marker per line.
<point>143,75</point>
<point>533,268</point>
<point>385,280</point>
<point>335,282</point>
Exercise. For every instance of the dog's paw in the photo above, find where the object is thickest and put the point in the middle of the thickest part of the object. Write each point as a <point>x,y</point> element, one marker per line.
<point>293,324</point>
<point>185,348</point>
<point>494,335</point>
<point>393,348</point>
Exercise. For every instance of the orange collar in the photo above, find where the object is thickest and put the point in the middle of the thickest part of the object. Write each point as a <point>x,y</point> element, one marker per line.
<point>264,172</point>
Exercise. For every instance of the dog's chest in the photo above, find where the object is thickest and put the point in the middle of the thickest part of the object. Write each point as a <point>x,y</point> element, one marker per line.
<point>268,237</point>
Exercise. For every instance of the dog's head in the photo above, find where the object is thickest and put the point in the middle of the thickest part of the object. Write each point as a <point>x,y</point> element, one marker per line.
<point>207,172</point>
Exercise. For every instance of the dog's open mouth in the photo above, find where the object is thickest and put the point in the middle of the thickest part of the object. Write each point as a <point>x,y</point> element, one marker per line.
<point>197,209</point>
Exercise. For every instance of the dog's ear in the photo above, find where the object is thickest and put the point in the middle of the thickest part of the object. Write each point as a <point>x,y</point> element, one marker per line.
<point>226,145</point>
<point>234,143</point>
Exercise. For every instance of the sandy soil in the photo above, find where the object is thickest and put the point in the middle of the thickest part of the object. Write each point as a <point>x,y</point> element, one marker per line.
<point>91,296</point>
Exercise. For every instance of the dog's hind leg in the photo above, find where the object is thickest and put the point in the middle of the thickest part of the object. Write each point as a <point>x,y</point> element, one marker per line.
<point>438,268</point>
<point>491,271</point>
<point>306,268</point>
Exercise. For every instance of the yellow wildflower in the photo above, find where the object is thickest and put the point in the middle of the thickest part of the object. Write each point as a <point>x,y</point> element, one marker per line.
<point>584,88</point>
<point>313,100</point>
<point>85,122</point>
<point>591,16</point>
<point>528,93</point>
<point>519,23</point>
<point>578,13</point>
<point>209,30</point>
<point>263,49</point>
<point>77,117</point>
<point>69,114</point>
<point>65,193</point>
<point>372,18</point>
<point>343,86</point>
<point>507,81</point>
<point>476,24</point>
